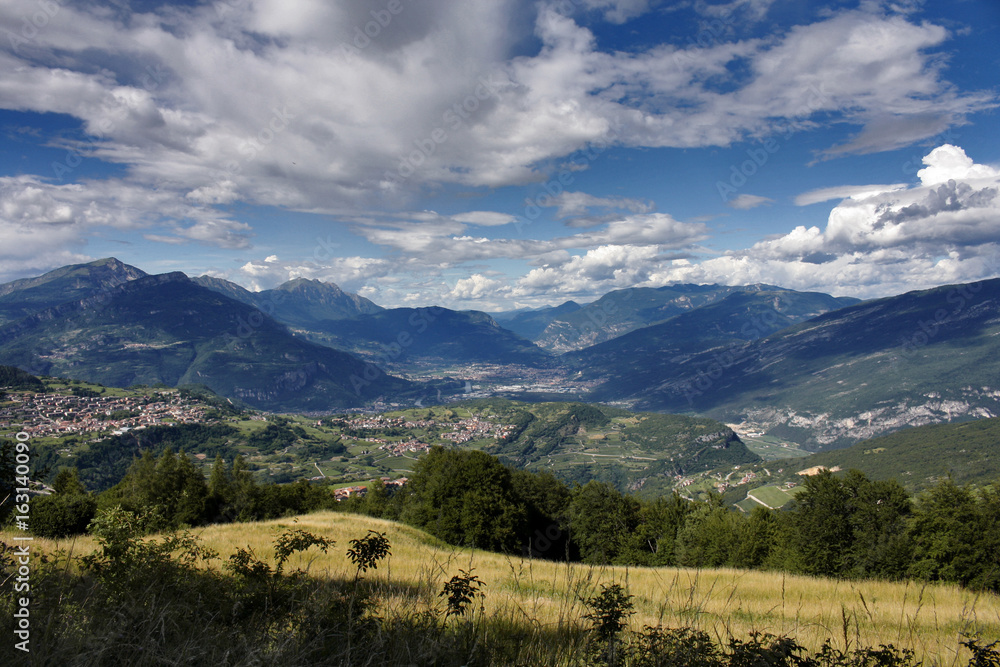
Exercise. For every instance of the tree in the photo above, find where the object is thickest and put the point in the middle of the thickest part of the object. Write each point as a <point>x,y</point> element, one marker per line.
<point>60,515</point>
<point>65,512</point>
<point>465,498</point>
<point>67,482</point>
<point>546,500</point>
<point>758,533</point>
<point>823,533</point>
<point>955,536</point>
<point>602,521</point>
<point>219,487</point>
<point>879,512</point>
<point>169,492</point>
<point>243,491</point>
<point>851,526</point>
<point>376,501</point>
<point>709,536</point>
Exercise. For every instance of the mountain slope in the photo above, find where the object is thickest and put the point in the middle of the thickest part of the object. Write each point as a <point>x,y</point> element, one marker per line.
<point>645,355</point>
<point>298,303</point>
<point>168,329</point>
<point>639,452</point>
<point>400,337</point>
<point>21,298</point>
<point>850,374</point>
<point>917,457</point>
<point>530,324</point>
<point>622,311</point>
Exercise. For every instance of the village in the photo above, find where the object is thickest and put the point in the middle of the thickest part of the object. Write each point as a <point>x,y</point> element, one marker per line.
<point>54,415</point>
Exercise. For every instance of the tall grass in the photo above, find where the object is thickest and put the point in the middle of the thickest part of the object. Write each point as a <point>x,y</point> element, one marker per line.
<point>532,609</point>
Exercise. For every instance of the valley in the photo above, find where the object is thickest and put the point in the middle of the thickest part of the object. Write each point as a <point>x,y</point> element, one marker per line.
<point>791,373</point>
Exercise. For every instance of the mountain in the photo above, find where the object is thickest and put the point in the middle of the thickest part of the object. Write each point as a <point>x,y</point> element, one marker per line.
<point>531,323</point>
<point>850,374</point>
<point>917,457</point>
<point>638,452</point>
<point>93,281</point>
<point>619,312</point>
<point>647,355</point>
<point>14,378</point>
<point>168,329</point>
<point>298,303</point>
<point>401,337</point>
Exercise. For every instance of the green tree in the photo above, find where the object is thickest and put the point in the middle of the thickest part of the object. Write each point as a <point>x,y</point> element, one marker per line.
<point>822,525</point>
<point>466,498</point>
<point>851,526</point>
<point>376,501</point>
<point>879,515</point>
<point>67,482</point>
<point>654,539</point>
<point>60,515</point>
<point>709,536</point>
<point>758,534</point>
<point>955,536</point>
<point>243,491</point>
<point>546,500</point>
<point>602,522</point>
<point>169,492</point>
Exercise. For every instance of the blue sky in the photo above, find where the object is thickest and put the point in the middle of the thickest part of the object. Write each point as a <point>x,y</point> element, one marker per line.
<point>495,154</point>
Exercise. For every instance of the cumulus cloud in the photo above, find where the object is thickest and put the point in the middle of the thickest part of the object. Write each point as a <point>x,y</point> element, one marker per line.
<point>618,11</point>
<point>443,241</point>
<point>484,218</point>
<point>594,272</point>
<point>948,162</point>
<point>476,286</point>
<point>880,240</point>
<point>580,209</point>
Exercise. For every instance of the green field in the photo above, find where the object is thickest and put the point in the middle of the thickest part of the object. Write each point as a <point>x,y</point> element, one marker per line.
<point>773,497</point>
<point>771,448</point>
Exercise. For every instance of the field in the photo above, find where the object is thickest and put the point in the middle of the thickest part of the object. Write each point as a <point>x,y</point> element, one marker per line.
<point>772,497</point>
<point>535,596</point>
<point>771,448</point>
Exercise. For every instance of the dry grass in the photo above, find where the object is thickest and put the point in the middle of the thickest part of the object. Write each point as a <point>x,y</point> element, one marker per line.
<point>930,619</point>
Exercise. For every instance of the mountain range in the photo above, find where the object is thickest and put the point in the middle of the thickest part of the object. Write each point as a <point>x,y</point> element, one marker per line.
<point>818,370</point>
<point>168,329</point>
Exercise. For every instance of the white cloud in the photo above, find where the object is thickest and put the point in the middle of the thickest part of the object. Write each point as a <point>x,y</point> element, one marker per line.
<point>434,240</point>
<point>949,162</point>
<point>844,192</point>
<point>618,11</point>
<point>879,241</point>
<point>476,286</point>
<point>579,207</point>
<point>288,103</point>
<point>599,270</point>
<point>54,216</point>
<point>746,202</point>
<point>257,102</point>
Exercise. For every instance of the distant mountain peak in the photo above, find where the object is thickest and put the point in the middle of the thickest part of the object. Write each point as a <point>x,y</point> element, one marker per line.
<point>309,283</point>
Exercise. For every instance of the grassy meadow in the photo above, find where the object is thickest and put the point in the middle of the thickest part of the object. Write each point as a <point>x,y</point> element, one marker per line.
<point>542,599</point>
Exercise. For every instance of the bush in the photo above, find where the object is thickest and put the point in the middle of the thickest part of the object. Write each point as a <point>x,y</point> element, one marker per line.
<point>61,515</point>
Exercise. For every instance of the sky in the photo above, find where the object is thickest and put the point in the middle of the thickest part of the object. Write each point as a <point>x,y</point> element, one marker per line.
<point>503,154</point>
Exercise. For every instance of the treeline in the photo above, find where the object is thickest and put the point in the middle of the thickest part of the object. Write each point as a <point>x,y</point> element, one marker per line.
<point>170,492</point>
<point>844,526</point>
